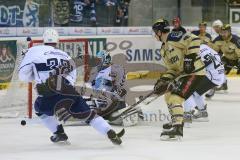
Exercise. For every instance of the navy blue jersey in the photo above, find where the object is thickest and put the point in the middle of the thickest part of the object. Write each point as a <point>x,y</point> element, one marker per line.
<point>78,9</point>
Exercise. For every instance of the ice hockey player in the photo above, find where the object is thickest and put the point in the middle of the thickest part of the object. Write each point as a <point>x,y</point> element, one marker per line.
<point>228,45</point>
<point>202,34</point>
<point>184,66</point>
<point>177,26</point>
<point>108,77</point>
<point>214,77</point>
<point>217,24</point>
<point>38,65</point>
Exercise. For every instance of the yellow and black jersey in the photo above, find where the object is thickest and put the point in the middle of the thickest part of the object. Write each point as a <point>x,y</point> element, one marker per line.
<point>174,51</point>
<point>205,38</point>
<point>229,48</point>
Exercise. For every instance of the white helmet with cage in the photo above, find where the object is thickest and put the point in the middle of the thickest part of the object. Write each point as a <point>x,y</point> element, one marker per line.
<point>50,36</point>
<point>217,23</point>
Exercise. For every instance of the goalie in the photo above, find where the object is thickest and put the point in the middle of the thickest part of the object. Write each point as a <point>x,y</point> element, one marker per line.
<point>110,78</point>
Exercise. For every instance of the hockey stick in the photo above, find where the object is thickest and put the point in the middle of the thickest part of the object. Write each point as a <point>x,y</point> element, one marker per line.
<point>131,110</point>
<point>114,117</point>
<point>150,101</point>
<point>232,67</point>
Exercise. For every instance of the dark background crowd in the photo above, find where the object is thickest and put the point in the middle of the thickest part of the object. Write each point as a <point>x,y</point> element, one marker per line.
<point>90,12</point>
<point>42,13</point>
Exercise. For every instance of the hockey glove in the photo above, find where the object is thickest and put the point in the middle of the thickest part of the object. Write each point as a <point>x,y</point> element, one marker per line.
<point>188,65</point>
<point>120,90</point>
<point>161,85</point>
<point>24,51</point>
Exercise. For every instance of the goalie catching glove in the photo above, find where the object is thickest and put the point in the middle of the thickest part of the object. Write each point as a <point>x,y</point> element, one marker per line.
<point>161,86</point>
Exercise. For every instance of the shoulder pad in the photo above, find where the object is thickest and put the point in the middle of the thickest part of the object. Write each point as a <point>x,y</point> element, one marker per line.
<point>208,35</point>
<point>236,40</point>
<point>180,29</point>
<point>218,38</point>
<point>196,32</point>
<point>175,36</point>
<point>186,36</point>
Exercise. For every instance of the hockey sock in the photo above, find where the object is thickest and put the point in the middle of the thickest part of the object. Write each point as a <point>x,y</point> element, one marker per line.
<point>100,125</point>
<point>189,104</point>
<point>199,101</point>
<point>225,79</point>
<point>50,122</point>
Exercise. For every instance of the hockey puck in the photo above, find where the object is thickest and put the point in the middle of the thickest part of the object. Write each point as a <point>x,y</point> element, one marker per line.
<point>23,122</point>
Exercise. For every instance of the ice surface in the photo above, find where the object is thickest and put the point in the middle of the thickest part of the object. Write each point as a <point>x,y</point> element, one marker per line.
<point>218,139</point>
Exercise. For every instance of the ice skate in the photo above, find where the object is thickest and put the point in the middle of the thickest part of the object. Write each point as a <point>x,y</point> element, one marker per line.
<point>210,93</point>
<point>167,126</point>
<point>59,136</point>
<point>187,119</point>
<point>175,133</point>
<point>200,115</point>
<point>224,87</point>
<point>114,137</point>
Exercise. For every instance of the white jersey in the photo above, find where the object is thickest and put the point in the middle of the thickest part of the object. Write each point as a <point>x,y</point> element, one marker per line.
<point>214,66</point>
<point>103,80</point>
<point>40,60</point>
<point>112,76</point>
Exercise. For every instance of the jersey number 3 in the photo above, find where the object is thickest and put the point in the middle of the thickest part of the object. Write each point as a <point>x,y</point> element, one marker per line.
<point>60,67</point>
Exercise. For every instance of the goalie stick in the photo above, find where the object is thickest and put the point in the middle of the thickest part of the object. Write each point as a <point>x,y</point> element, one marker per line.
<point>131,110</point>
<point>150,101</point>
<point>112,118</point>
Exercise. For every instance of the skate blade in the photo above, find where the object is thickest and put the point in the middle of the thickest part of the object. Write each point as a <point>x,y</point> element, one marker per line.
<point>209,97</point>
<point>166,129</point>
<point>222,92</point>
<point>167,138</point>
<point>200,120</point>
<point>63,143</point>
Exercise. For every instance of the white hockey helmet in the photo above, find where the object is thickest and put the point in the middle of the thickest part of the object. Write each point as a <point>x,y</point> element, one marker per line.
<point>217,23</point>
<point>50,36</point>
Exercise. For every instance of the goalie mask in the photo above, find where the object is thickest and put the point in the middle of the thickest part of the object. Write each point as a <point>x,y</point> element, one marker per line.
<point>105,57</point>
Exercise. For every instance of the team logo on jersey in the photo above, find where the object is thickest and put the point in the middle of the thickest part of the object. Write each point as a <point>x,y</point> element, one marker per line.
<point>7,60</point>
<point>176,34</point>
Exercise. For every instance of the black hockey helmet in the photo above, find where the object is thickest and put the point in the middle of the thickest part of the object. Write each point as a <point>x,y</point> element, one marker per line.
<point>226,27</point>
<point>203,23</point>
<point>161,25</point>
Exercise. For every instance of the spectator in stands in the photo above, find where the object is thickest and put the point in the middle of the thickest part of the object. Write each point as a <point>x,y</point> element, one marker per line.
<point>61,12</point>
<point>31,14</point>
<point>122,13</point>
<point>110,2</point>
<point>83,13</point>
<point>234,2</point>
